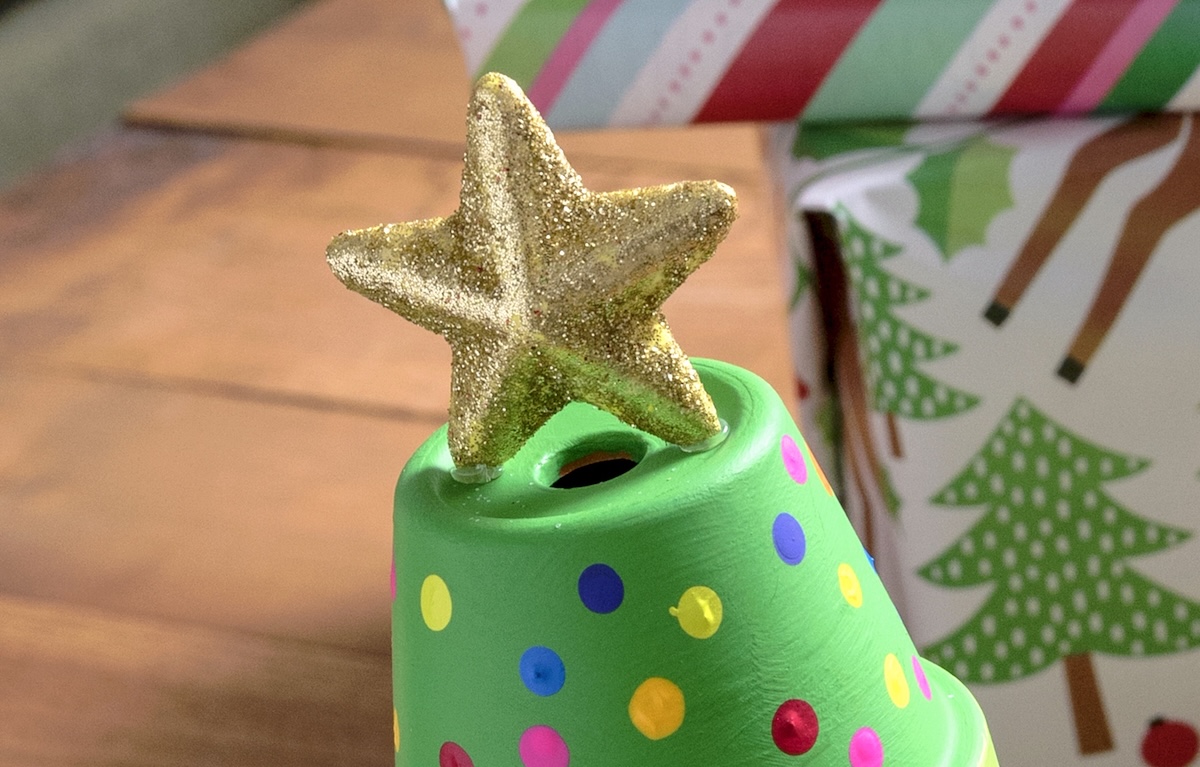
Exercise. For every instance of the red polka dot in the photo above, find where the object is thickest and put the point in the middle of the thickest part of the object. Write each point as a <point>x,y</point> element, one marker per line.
<point>453,755</point>
<point>794,727</point>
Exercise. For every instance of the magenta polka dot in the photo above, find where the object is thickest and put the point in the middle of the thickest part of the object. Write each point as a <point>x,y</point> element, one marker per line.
<point>922,680</point>
<point>542,746</point>
<point>793,459</point>
<point>865,749</point>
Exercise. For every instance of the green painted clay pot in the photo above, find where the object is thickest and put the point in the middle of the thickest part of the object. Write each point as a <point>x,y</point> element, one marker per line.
<point>698,610</point>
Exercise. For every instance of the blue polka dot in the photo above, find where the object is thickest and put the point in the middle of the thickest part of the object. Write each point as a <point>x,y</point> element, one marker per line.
<point>542,670</point>
<point>870,558</point>
<point>789,538</point>
<point>600,588</point>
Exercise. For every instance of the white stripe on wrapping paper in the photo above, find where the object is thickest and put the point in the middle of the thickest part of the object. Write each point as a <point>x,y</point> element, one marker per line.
<point>1188,97</point>
<point>480,24</point>
<point>991,58</point>
<point>678,77</point>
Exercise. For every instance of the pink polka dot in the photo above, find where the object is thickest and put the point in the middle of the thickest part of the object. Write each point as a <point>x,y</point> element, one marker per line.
<point>865,749</point>
<point>481,9</point>
<point>922,680</point>
<point>542,746</point>
<point>708,36</point>
<point>793,459</point>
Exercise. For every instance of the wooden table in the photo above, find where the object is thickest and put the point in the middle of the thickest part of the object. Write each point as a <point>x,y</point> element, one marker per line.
<point>201,427</point>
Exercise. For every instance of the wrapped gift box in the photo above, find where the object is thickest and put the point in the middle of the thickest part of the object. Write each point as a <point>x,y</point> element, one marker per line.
<point>1012,343</point>
<point>591,63</point>
<point>993,315</point>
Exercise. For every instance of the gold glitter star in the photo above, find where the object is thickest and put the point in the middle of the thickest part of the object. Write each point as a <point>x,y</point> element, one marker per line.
<point>546,292</point>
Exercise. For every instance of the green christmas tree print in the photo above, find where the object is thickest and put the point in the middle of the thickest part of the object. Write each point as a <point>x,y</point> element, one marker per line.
<point>1054,546</point>
<point>893,349</point>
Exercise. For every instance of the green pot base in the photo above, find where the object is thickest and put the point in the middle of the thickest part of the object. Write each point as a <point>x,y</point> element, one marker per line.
<point>669,609</point>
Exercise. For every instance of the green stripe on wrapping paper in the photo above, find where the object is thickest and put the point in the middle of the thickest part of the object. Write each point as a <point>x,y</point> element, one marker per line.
<point>894,61</point>
<point>531,37</point>
<point>1163,66</point>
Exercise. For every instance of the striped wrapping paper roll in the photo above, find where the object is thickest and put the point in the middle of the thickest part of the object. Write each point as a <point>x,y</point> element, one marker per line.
<point>595,63</point>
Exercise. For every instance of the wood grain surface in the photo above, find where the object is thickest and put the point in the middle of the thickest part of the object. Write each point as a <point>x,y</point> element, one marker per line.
<point>388,75</point>
<point>202,427</point>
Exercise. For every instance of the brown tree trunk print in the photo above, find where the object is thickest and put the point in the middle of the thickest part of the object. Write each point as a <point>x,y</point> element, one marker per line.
<point>1087,707</point>
<point>893,430</point>
<point>1176,196</point>
<point>1091,165</point>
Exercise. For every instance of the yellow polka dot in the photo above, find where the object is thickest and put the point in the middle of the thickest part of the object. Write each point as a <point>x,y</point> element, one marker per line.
<point>435,602</point>
<point>396,729</point>
<point>656,708</point>
<point>699,612</point>
<point>897,684</point>
<point>848,581</point>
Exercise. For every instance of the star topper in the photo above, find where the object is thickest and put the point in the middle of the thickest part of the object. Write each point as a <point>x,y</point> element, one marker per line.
<point>547,292</point>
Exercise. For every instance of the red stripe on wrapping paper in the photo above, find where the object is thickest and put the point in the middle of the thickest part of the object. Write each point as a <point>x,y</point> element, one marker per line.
<point>1064,57</point>
<point>574,44</point>
<point>784,62</point>
<point>1118,55</point>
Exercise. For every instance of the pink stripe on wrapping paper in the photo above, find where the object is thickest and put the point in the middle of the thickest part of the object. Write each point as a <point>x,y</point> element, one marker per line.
<point>1117,55</point>
<point>570,49</point>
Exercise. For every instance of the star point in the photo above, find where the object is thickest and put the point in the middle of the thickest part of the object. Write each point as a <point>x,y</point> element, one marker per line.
<point>546,292</point>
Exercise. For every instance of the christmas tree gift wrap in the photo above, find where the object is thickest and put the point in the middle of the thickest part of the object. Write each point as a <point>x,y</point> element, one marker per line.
<point>595,63</point>
<point>1012,372</point>
<point>709,608</point>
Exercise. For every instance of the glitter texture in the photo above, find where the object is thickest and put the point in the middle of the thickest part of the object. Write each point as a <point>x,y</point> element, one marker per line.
<point>547,292</point>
